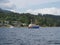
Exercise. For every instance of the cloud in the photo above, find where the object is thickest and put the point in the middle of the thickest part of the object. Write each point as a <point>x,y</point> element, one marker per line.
<point>53,10</point>
<point>7,4</point>
<point>27,3</point>
<point>4,1</point>
<point>22,5</point>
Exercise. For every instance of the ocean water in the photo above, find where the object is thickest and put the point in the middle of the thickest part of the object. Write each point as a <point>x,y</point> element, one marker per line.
<point>26,36</point>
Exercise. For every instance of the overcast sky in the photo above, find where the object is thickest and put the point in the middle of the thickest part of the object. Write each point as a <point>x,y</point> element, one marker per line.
<point>32,6</point>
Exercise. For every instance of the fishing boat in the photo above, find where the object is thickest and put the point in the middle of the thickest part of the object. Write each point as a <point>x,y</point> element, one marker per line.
<point>32,25</point>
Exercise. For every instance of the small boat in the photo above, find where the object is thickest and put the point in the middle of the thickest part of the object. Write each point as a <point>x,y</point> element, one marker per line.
<point>33,26</point>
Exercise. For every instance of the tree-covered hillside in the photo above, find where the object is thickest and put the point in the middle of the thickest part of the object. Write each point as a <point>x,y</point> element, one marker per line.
<point>42,20</point>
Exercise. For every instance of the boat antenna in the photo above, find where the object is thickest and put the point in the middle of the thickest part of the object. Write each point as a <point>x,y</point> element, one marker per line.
<point>31,21</point>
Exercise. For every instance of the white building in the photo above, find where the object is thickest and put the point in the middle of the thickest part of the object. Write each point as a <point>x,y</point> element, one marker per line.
<point>1,23</point>
<point>6,22</point>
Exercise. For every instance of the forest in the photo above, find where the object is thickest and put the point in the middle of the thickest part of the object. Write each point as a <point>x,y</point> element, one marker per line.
<point>47,20</point>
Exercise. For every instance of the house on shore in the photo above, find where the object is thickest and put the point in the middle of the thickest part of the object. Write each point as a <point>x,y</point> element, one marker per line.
<point>13,23</point>
<point>16,23</point>
<point>6,23</point>
<point>1,23</point>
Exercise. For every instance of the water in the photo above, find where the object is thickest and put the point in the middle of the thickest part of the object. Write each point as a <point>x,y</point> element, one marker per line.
<point>25,36</point>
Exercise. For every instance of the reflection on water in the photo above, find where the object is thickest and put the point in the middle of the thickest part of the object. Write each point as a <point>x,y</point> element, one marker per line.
<point>25,36</point>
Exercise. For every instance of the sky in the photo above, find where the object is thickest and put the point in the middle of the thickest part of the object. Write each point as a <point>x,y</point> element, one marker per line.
<point>32,6</point>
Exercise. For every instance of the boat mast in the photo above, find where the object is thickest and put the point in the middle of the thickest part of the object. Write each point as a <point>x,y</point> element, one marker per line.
<point>31,21</point>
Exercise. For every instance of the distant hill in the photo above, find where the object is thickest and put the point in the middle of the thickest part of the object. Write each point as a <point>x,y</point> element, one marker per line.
<point>42,20</point>
<point>4,11</point>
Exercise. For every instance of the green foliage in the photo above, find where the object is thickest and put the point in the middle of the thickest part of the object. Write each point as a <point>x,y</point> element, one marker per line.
<point>42,20</point>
